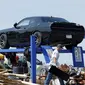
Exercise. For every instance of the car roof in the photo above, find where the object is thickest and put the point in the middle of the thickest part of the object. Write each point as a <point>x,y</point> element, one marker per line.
<point>46,17</point>
<point>42,17</point>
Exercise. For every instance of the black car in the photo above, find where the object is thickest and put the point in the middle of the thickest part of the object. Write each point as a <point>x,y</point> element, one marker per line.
<point>48,31</point>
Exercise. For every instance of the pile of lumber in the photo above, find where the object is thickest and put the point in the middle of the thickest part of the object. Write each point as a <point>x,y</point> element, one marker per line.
<point>4,80</point>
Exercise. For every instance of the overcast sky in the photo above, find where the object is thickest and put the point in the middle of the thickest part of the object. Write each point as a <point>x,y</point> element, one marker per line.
<point>12,11</point>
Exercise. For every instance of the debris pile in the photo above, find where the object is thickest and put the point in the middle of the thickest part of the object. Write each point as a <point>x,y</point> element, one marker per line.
<point>4,80</point>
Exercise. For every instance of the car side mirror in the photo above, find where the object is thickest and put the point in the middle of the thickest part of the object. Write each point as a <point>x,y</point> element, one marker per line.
<point>15,25</point>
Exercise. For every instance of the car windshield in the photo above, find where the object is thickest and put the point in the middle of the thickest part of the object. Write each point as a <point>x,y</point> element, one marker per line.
<point>53,19</point>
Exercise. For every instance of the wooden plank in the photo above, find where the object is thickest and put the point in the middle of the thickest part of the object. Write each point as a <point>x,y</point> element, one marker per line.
<point>29,83</point>
<point>18,75</point>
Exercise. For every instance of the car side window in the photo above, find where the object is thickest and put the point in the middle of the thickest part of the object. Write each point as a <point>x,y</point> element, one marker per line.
<point>35,21</point>
<point>23,22</point>
<point>32,21</point>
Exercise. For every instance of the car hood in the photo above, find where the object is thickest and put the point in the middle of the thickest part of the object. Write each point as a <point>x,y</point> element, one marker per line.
<point>7,29</point>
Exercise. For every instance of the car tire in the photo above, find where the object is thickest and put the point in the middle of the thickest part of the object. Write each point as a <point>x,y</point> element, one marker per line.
<point>38,37</point>
<point>42,72</point>
<point>3,41</point>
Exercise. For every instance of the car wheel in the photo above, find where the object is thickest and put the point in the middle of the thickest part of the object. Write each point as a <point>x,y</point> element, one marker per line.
<point>3,41</point>
<point>42,71</point>
<point>38,38</point>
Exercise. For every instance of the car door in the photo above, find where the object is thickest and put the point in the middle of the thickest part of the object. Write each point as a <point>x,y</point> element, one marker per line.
<point>29,29</point>
<point>22,33</point>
